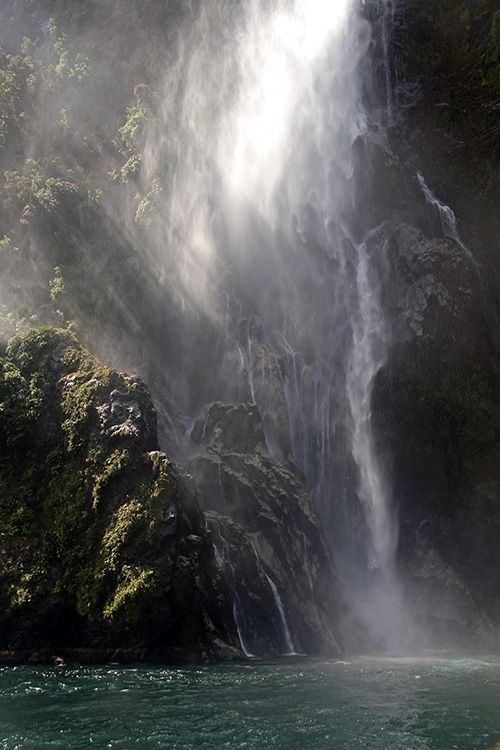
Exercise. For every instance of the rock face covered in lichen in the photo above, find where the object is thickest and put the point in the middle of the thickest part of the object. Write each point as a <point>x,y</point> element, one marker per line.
<point>102,541</point>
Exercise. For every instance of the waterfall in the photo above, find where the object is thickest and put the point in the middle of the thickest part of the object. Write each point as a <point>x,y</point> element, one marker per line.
<point>367,357</point>
<point>239,618</point>
<point>291,651</point>
<point>284,623</point>
<point>387,12</point>
<point>263,118</point>
<point>446,214</point>
<point>226,566</point>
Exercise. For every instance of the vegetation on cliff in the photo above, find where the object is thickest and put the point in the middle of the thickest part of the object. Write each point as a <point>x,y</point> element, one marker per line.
<point>99,544</point>
<point>72,122</point>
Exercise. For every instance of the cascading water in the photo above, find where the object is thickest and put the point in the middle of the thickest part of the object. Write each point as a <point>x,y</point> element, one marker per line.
<point>262,116</point>
<point>287,637</point>
<point>446,214</point>
<point>223,560</point>
<point>381,603</point>
<point>286,630</point>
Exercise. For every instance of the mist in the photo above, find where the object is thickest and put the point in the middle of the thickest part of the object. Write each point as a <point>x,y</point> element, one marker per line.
<point>210,195</point>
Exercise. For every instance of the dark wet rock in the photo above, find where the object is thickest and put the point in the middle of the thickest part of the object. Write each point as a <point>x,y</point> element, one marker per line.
<point>446,91</point>
<point>258,620</point>
<point>262,381</point>
<point>439,601</point>
<point>231,429</point>
<point>437,413</point>
<point>273,536</point>
<point>433,288</point>
<point>436,401</point>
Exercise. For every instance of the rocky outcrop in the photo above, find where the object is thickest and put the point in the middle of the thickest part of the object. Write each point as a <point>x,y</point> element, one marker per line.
<point>429,177</point>
<point>433,293</point>
<point>105,552</point>
<point>271,548</point>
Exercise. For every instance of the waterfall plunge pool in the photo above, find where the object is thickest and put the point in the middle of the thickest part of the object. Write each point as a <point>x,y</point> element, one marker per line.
<point>432,702</point>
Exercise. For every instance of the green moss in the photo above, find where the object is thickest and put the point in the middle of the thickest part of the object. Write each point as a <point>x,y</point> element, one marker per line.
<point>78,513</point>
<point>112,467</point>
<point>32,350</point>
<point>132,596</point>
<point>81,393</point>
<point>130,518</point>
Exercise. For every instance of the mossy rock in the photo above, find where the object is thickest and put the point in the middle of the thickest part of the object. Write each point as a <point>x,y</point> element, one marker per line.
<point>101,538</point>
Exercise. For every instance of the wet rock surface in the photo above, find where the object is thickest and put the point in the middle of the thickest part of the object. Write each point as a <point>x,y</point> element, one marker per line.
<point>272,539</point>
<point>436,404</point>
<point>433,287</point>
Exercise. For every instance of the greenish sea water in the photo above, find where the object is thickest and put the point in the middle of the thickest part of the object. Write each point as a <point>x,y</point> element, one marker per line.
<point>386,703</point>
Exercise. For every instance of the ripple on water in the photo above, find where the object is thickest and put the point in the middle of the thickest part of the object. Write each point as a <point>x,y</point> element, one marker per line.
<point>430,703</point>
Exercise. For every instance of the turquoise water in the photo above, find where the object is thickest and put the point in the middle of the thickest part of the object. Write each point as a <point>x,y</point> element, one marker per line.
<point>364,703</point>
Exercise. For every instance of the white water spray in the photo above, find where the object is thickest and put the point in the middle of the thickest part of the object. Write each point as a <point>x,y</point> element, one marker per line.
<point>261,115</point>
<point>367,357</point>
<point>291,651</point>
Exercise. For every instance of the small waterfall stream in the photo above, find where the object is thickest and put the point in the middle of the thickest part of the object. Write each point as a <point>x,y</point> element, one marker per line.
<point>287,638</point>
<point>449,227</point>
<point>284,623</point>
<point>446,214</point>
<point>224,562</point>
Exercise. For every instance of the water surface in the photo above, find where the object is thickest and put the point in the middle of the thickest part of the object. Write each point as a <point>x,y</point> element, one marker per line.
<point>385,703</point>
